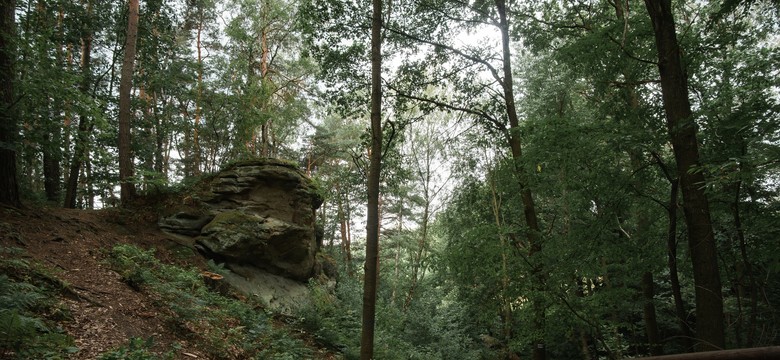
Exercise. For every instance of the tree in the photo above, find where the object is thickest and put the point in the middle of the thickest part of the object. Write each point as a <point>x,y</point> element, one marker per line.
<point>268,73</point>
<point>125,115</point>
<point>201,17</point>
<point>425,144</point>
<point>739,115</point>
<point>81,148</point>
<point>335,157</point>
<point>9,187</point>
<point>498,110</point>
<point>533,231</point>
<point>41,71</point>
<point>372,217</point>
<point>682,131</point>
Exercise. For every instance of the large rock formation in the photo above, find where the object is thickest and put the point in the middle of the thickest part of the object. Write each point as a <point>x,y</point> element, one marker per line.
<point>266,242</point>
<point>258,217</point>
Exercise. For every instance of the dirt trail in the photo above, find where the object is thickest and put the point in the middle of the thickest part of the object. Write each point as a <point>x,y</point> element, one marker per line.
<point>105,312</point>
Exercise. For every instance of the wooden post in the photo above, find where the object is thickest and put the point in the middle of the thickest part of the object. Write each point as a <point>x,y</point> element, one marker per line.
<point>772,352</point>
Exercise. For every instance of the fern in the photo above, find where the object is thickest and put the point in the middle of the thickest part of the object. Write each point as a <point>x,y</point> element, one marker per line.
<point>24,333</point>
<point>225,327</point>
<point>15,329</point>
<point>18,296</point>
<point>136,349</point>
<point>217,268</point>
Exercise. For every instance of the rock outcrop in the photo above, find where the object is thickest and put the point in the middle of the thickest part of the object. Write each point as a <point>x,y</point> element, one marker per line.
<point>258,217</point>
<point>265,242</point>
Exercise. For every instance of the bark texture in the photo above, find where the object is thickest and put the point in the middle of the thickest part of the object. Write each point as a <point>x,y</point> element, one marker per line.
<point>125,85</point>
<point>682,131</point>
<point>372,220</point>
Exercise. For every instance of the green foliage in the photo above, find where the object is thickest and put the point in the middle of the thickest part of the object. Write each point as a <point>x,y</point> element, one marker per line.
<point>134,265</point>
<point>595,149</point>
<point>136,349</point>
<point>217,268</point>
<point>250,159</point>
<point>223,326</point>
<point>435,327</point>
<point>153,182</point>
<point>334,321</point>
<point>27,299</point>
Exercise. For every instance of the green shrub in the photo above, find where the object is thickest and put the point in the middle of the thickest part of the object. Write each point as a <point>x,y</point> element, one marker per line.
<point>333,319</point>
<point>26,296</point>
<point>225,327</point>
<point>136,349</point>
<point>134,265</point>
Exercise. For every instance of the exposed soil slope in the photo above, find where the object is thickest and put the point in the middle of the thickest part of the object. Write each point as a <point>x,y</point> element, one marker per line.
<point>106,312</point>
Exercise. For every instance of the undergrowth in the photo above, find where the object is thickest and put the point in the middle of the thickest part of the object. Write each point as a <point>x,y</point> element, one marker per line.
<point>224,327</point>
<point>137,349</point>
<point>431,328</point>
<point>334,323</point>
<point>28,310</point>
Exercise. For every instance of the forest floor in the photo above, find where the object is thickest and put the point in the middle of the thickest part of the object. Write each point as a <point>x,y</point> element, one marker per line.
<point>105,312</point>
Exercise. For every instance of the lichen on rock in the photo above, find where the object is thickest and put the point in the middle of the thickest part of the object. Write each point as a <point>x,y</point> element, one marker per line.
<point>265,242</point>
<point>257,213</point>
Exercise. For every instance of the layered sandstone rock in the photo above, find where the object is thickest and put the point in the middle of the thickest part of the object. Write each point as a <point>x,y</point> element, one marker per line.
<point>255,214</point>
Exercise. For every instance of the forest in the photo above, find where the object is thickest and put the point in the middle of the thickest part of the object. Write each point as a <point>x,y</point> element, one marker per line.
<point>562,179</point>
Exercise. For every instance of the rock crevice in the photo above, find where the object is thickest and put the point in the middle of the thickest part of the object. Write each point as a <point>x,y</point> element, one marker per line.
<point>256,213</point>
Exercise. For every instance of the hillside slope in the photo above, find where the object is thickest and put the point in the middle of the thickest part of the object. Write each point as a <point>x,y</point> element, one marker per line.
<point>104,311</point>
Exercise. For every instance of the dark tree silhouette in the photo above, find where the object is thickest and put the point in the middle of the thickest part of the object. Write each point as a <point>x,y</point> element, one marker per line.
<point>125,84</point>
<point>372,221</point>
<point>9,187</point>
<point>682,131</point>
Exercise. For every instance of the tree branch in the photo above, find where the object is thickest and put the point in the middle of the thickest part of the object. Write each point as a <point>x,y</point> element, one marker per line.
<point>448,106</point>
<point>630,55</point>
<point>453,50</point>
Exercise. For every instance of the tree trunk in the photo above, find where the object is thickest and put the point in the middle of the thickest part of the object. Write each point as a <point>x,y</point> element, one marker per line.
<point>50,146</point>
<point>746,281</point>
<point>671,245</point>
<point>642,225</point>
<point>529,209</point>
<point>52,150</point>
<point>770,352</point>
<point>397,258</point>
<point>160,165</point>
<point>90,193</point>
<point>67,118</point>
<point>585,339</point>
<point>606,279</point>
<point>85,127</point>
<point>506,303</point>
<point>348,245</point>
<point>9,187</point>
<point>198,101</point>
<point>265,127</point>
<point>372,218</point>
<point>682,130</point>
<point>651,323</point>
<point>125,85</point>
<point>344,231</point>
<point>746,270</point>
<point>51,164</point>
<point>422,243</point>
